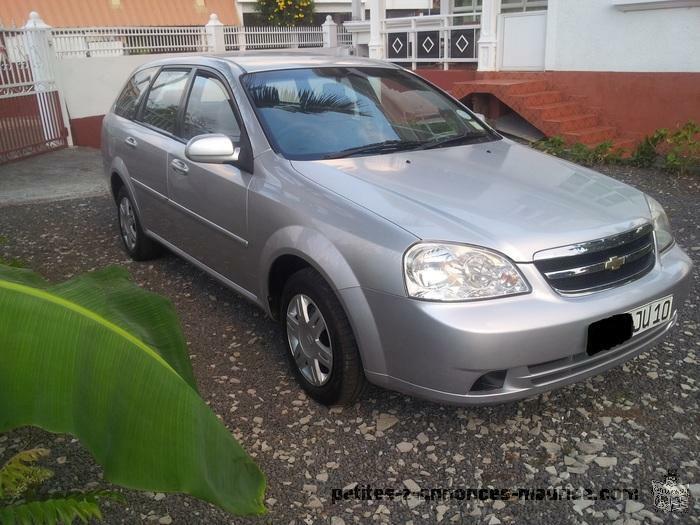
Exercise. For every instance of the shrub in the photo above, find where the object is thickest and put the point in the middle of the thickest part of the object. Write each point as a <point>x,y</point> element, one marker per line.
<point>552,145</point>
<point>645,153</point>
<point>682,152</point>
<point>603,153</point>
<point>286,12</point>
<point>679,150</point>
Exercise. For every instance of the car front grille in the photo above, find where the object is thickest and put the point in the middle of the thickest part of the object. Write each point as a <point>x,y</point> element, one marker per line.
<point>599,264</point>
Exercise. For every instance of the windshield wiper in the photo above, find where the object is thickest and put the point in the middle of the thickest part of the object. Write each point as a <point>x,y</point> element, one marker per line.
<point>377,147</point>
<point>466,138</point>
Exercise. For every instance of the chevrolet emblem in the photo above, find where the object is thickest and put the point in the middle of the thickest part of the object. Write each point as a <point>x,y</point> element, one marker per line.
<point>614,263</point>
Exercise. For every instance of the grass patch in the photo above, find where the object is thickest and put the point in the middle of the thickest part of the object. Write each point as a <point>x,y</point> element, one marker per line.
<point>14,263</point>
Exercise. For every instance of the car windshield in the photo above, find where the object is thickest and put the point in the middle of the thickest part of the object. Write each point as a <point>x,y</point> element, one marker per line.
<point>320,113</point>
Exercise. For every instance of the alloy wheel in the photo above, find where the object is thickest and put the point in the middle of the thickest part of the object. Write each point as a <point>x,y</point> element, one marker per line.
<point>127,223</point>
<point>309,340</point>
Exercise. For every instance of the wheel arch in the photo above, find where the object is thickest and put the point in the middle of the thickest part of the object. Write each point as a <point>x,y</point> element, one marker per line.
<point>119,177</point>
<point>116,182</point>
<point>287,251</point>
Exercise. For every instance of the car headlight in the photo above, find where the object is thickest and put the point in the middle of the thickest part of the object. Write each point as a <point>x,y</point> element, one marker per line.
<point>662,227</point>
<point>457,272</point>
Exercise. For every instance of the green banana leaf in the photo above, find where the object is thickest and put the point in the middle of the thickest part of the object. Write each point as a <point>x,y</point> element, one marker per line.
<point>104,360</point>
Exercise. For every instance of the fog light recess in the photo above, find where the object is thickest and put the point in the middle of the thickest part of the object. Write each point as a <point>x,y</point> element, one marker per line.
<point>490,381</point>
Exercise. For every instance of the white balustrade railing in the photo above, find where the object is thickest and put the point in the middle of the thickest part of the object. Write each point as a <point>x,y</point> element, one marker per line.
<point>118,41</point>
<point>440,39</point>
<point>344,36</point>
<point>241,38</point>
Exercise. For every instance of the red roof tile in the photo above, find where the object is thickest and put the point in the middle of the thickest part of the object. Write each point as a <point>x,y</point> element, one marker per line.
<point>100,13</point>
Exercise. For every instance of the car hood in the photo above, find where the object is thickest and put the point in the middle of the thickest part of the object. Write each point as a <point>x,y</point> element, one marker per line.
<point>500,195</point>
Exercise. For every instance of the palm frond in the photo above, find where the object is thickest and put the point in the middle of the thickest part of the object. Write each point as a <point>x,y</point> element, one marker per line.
<point>19,474</point>
<point>311,102</point>
<point>81,506</point>
<point>305,101</point>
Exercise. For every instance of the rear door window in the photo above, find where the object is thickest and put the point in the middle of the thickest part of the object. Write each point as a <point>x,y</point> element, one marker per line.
<point>132,93</point>
<point>163,102</point>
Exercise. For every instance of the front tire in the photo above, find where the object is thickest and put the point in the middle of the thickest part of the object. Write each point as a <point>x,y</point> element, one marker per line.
<point>321,347</point>
<point>136,243</point>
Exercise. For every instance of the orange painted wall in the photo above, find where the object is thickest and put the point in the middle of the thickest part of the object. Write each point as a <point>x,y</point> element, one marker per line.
<point>636,103</point>
<point>87,131</point>
<point>445,79</point>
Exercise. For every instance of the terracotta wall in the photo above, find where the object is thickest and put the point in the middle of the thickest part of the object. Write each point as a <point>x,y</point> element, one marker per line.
<point>636,103</point>
<point>86,131</point>
<point>445,79</point>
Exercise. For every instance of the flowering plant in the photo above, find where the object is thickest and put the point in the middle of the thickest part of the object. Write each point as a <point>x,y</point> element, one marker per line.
<point>286,12</point>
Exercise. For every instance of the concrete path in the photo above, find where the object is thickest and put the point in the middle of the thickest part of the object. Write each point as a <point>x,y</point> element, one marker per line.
<point>59,175</point>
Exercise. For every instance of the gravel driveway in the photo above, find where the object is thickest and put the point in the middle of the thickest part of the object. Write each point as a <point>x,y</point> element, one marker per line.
<point>619,430</point>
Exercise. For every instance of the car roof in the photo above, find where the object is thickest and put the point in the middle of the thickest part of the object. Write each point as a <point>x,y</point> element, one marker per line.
<point>250,62</point>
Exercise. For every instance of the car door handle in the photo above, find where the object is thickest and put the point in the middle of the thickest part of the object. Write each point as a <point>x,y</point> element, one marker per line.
<point>131,141</point>
<point>179,166</point>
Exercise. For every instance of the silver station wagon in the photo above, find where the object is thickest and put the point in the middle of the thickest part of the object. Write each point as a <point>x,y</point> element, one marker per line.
<point>397,238</point>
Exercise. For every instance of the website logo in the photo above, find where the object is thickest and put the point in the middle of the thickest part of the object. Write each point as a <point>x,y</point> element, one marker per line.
<point>670,495</point>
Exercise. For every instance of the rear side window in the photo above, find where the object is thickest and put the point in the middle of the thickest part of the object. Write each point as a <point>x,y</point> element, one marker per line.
<point>209,110</point>
<point>130,97</point>
<point>164,98</point>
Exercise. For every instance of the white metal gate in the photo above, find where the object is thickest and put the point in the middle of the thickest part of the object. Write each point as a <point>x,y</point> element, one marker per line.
<point>31,120</point>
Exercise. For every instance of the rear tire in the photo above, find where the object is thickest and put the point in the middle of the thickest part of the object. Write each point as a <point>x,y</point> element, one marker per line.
<point>137,244</point>
<point>321,347</point>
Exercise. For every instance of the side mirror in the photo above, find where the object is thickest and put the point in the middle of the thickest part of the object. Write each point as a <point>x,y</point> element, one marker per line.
<point>214,148</point>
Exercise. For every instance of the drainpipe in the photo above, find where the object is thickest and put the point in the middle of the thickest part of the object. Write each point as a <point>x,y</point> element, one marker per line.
<point>488,42</point>
<point>377,14</point>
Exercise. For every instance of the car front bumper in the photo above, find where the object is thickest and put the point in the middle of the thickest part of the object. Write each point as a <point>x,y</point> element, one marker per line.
<point>533,343</point>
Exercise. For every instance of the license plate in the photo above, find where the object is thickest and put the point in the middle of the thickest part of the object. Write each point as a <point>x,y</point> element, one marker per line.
<point>651,314</point>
